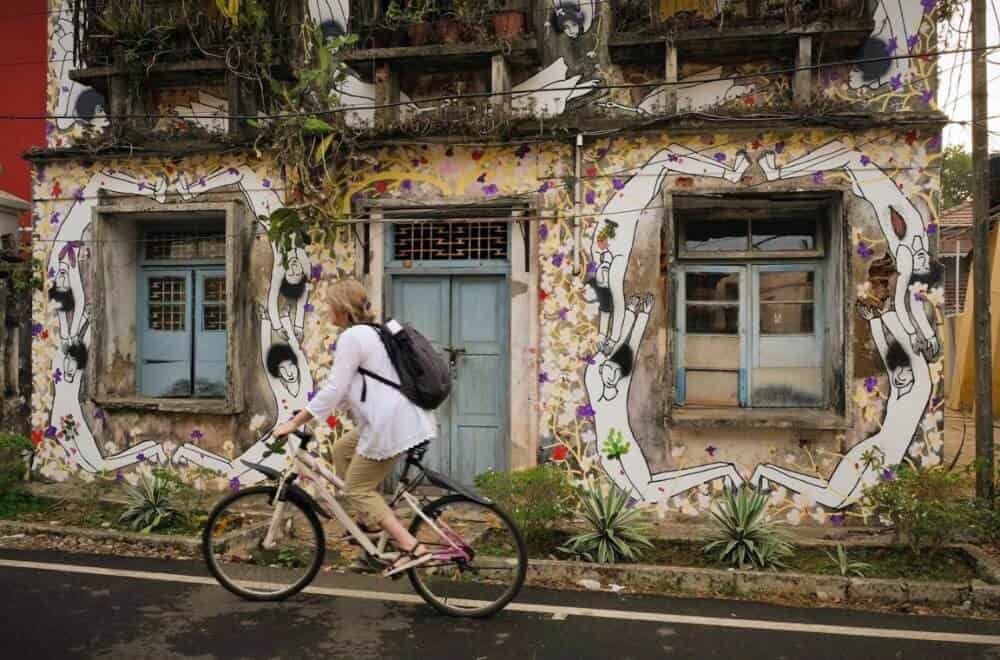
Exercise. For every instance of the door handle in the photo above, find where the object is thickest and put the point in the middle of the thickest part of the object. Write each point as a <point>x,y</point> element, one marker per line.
<point>453,354</point>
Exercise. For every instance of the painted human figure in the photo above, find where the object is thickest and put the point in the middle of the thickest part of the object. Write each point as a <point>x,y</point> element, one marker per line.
<point>896,32</point>
<point>75,102</point>
<point>291,385</point>
<point>615,233</point>
<point>68,296</point>
<point>909,391</point>
<point>573,17</point>
<point>547,92</point>
<point>259,193</point>
<point>900,222</point>
<point>289,280</point>
<point>608,379</point>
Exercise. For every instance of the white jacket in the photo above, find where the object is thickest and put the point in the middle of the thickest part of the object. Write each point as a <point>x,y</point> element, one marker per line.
<point>389,423</point>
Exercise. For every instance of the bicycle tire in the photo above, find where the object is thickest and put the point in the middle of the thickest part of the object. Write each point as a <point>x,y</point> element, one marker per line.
<point>415,576</point>
<point>220,575</point>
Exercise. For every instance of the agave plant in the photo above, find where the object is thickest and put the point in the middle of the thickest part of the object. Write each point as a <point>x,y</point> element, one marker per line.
<point>618,533</point>
<point>845,565</point>
<point>150,504</point>
<point>744,536</point>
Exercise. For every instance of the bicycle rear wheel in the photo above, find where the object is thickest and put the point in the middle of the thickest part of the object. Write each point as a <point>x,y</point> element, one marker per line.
<point>233,544</point>
<point>492,569</point>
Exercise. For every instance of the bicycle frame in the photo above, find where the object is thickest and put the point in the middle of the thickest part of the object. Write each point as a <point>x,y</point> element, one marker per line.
<point>305,466</point>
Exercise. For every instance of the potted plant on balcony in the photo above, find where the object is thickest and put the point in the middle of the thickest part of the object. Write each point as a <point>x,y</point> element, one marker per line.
<point>508,21</point>
<point>415,16</point>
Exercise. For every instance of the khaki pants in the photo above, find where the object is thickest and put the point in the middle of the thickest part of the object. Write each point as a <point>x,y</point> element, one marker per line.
<point>362,477</point>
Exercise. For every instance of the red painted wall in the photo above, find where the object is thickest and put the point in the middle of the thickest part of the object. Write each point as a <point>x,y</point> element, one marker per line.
<point>23,72</point>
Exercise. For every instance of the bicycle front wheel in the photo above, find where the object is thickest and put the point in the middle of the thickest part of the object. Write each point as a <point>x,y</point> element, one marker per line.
<point>480,558</point>
<point>250,565</point>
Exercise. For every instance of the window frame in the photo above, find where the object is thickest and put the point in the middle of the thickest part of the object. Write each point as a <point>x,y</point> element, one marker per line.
<point>834,327</point>
<point>115,346</point>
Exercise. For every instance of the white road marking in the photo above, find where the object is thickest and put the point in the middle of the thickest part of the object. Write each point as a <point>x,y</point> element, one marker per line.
<point>556,611</point>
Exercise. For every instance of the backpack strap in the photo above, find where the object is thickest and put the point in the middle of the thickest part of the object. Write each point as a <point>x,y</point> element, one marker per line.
<point>364,372</point>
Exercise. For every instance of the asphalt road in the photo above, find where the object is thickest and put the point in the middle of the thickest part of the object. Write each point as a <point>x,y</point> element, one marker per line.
<point>56,605</point>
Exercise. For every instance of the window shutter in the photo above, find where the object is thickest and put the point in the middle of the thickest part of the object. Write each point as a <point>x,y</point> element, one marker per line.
<point>210,333</point>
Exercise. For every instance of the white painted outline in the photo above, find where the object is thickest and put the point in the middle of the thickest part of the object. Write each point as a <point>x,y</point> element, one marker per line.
<point>560,611</point>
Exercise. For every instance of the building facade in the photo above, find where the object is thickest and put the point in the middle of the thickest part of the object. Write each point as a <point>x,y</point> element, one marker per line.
<point>682,255</point>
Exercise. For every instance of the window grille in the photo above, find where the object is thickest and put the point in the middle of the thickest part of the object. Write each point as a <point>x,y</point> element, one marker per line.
<point>185,245</point>
<point>167,303</point>
<point>451,241</point>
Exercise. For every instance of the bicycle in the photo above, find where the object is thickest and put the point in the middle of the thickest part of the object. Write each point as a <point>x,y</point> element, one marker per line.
<point>267,542</point>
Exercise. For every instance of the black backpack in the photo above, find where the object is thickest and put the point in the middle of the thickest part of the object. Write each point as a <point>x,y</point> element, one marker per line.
<point>424,376</point>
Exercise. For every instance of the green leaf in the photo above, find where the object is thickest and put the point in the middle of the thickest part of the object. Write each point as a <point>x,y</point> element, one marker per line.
<point>316,126</point>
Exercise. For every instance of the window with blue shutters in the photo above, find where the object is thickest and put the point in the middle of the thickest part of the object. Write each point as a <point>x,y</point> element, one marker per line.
<point>183,329</point>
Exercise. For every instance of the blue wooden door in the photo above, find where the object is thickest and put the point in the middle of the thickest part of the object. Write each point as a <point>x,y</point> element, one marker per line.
<point>210,334</point>
<point>165,304</point>
<point>465,316</point>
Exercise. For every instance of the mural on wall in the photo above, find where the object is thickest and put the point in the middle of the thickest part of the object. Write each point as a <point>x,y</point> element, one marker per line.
<point>76,104</point>
<point>897,31</point>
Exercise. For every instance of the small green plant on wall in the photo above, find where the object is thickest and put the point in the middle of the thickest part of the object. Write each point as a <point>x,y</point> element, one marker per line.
<point>845,566</point>
<point>743,535</point>
<point>151,504</point>
<point>616,532</point>
<point>615,446</point>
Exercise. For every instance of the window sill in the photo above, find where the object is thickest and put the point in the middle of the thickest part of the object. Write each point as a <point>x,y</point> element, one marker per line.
<point>763,418</point>
<point>198,406</point>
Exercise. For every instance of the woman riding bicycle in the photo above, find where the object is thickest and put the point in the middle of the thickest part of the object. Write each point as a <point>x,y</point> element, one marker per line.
<point>387,423</point>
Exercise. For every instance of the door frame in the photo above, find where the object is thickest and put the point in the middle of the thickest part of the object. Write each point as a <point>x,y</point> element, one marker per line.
<point>521,448</point>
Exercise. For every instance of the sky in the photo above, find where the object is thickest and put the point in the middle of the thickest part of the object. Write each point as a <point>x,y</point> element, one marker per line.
<point>955,71</point>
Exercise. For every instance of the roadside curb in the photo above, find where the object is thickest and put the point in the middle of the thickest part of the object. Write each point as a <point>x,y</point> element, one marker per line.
<point>186,544</point>
<point>646,578</point>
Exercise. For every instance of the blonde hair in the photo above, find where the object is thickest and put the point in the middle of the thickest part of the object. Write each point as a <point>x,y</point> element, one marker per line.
<point>349,296</point>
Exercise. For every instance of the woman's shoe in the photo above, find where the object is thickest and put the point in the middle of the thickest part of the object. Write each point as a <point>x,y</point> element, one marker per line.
<point>408,559</point>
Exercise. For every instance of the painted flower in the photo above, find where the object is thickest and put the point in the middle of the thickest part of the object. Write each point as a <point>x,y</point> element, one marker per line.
<point>720,157</point>
<point>932,228</point>
<point>888,474</point>
<point>36,329</point>
<point>557,259</point>
<point>332,347</point>
<point>779,147</point>
<point>892,46</point>
<point>333,421</point>
<point>919,291</point>
<point>522,151</point>
<point>381,186</point>
<point>911,41</point>
<point>589,360</point>
<point>871,383</point>
<point>591,268</point>
<point>407,185</point>
<point>119,477</point>
<point>99,414</point>
<point>197,435</point>
<point>308,307</point>
<point>559,453</point>
<point>37,436</point>
<point>481,178</point>
<point>865,160</point>
<point>310,395</point>
<point>316,272</point>
<point>585,411</point>
<point>491,189</point>
<point>543,378</point>
<point>936,296</point>
<point>935,142</point>
<point>591,197</point>
<point>896,82</point>
<point>56,218</point>
<point>928,5</point>
<point>563,311</point>
<point>543,231</point>
<point>927,96</point>
<point>140,457</point>
<point>57,376</point>
<point>817,177</point>
<point>50,432</point>
<point>477,155</point>
<point>234,484</point>
<point>544,187</point>
<point>865,290</point>
<point>794,516</point>
<point>865,252</point>
<point>618,184</point>
<point>257,422</point>
<point>542,295</point>
<point>266,183</point>
<point>710,450</point>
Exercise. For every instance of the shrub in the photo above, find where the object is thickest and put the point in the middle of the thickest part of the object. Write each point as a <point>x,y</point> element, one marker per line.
<point>15,459</point>
<point>744,536</point>
<point>534,497</point>
<point>617,532</point>
<point>845,566</point>
<point>927,507</point>
<point>150,504</point>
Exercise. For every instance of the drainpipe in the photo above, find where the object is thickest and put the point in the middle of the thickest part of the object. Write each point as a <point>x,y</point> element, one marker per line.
<point>578,206</point>
<point>958,274</point>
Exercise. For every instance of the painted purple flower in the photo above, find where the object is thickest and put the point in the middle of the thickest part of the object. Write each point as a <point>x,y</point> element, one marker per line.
<point>57,376</point>
<point>142,185</point>
<point>316,272</point>
<point>52,272</point>
<point>358,196</point>
<point>870,384</point>
<point>935,142</point>
<point>927,96</point>
<point>50,432</point>
<point>140,457</point>
<point>202,181</point>
<point>522,151</point>
<point>601,153</point>
<point>711,450</point>
<point>543,378</point>
<point>197,435</point>
<point>544,187</point>
<point>563,311</point>
<point>928,5</point>
<point>119,477</point>
<point>932,228</point>
<point>543,231</point>
<point>672,158</point>
<point>720,157</point>
<point>817,177</point>
<point>78,194</point>
<point>415,162</point>
<point>50,128</point>
<point>332,347</point>
<point>865,160</point>
<point>309,308</point>
<point>618,184</point>
<point>888,474</point>
<point>407,185</point>
<point>266,183</point>
<point>591,197</point>
<point>935,402</point>
<point>896,82</point>
<point>233,171</point>
<point>36,329</point>
<point>589,359</point>
<point>911,41</point>
<point>234,484</point>
<point>491,189</point>
<point>921,296</point>
<point>56,218</point>
<point>585,411</point>
<point>481,178</point>
<point>99,415</point>
<point>310,396</point>
<point>779,147</point>
<point>837,519</point>
<point>591,268</point>
<point>557,259</point>
<point>891,46</point>
<point>865,251</point>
